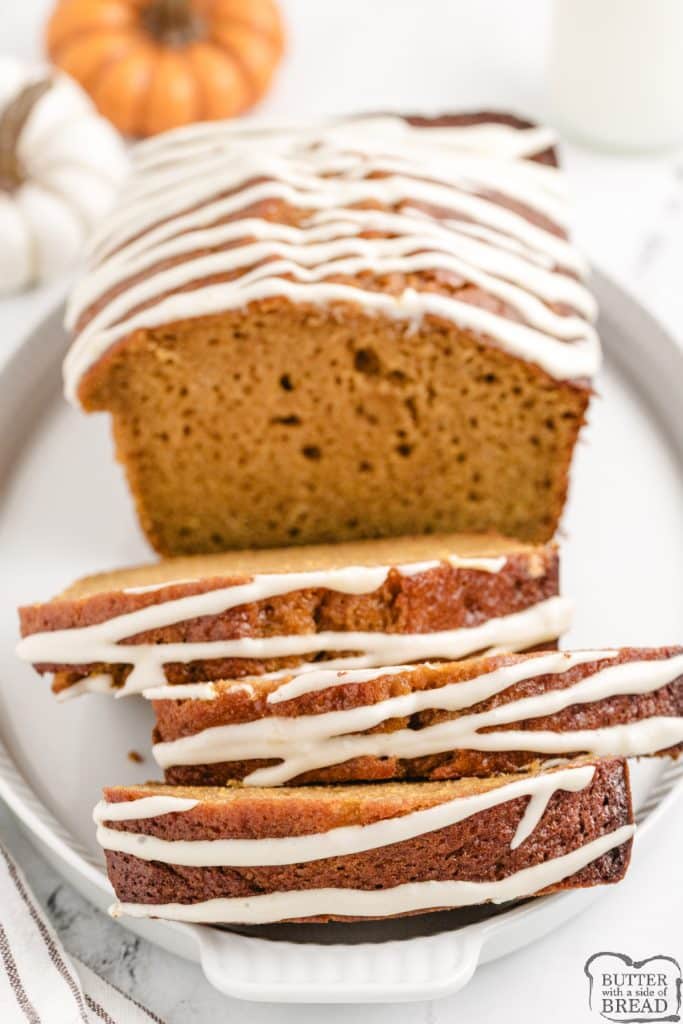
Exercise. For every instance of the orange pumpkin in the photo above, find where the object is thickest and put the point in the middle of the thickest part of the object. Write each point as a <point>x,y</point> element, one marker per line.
<point>151,65</point>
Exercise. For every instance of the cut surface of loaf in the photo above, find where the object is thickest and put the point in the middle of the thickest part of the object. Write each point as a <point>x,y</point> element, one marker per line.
<point>231,615</point>
<point>363,327</point>
<point>477,717</point>
<point>245,855</point>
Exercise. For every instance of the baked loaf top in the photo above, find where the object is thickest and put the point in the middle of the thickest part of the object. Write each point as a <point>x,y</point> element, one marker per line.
<point>255,855</point>
<point>240,566</point>
<point>369,603</point>
<point>482,716</point>
<point>461,218</point>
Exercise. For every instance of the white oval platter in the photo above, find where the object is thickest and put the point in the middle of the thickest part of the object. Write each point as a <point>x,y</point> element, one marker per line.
<point>64,511</point>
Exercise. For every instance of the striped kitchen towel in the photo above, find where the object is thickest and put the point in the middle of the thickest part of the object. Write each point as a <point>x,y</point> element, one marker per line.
<point>39,982</point>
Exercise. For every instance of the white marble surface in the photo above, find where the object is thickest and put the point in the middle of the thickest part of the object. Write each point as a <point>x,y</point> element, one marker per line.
<point>431,54</point>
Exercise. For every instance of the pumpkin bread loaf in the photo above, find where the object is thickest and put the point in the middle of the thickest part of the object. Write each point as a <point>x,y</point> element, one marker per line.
<point>361,328</point>
<point>381,602</point>
<point>348,852</point>
<point>479,717</point>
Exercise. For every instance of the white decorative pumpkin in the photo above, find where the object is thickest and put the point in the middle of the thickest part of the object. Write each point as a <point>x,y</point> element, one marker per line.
<point>60,167</point>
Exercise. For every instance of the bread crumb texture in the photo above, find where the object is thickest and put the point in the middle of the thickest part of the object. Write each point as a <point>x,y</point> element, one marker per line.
<point>286,424</point>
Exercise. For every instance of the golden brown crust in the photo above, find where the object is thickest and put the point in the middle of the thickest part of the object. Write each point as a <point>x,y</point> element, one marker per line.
<point>476,849</point>
<point>241,566</point>
<point>178,718</point>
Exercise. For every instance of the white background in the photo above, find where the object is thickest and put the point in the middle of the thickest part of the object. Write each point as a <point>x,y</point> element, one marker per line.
<point>426,55</point>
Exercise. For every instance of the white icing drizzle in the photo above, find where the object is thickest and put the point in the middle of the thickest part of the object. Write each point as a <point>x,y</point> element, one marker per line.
<point>190,691</point>
<point>353,579</point>
<point>315,680</point>
<point>198,691</point>
<point>309,248</point>
<point>277,736</point>
<point>101,643</point>
<point>543,621</point>
<point>309,742</point>
<point>176,199</point>
<point>300,157</point>
<point>632,739</point>
<point>143,807</point>
<point>100,683</point>
<point>495,139</point>
<point>400,899</point>
<point>514,264</point>
<point>342,841</point>
<point>149,588</point>
<point>534,811</point>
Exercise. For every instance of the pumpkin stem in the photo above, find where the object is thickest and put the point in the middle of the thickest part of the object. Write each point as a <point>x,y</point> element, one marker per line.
<point>12,121</point>
<point>173,22</point>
